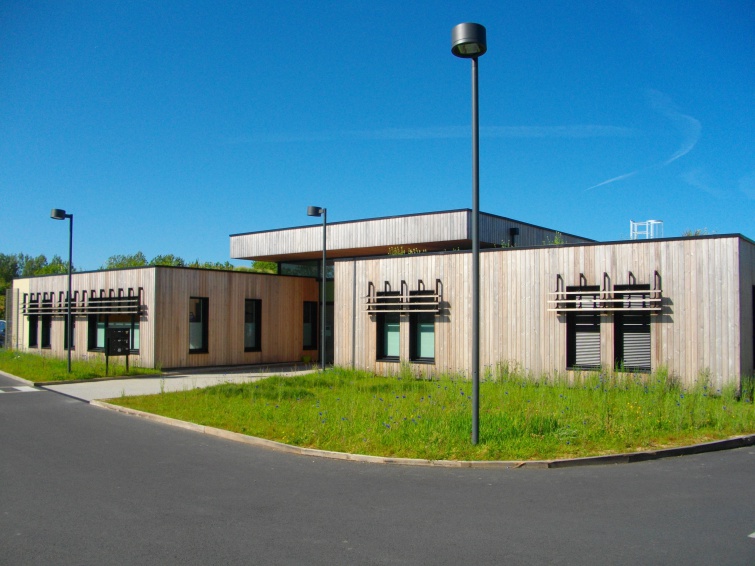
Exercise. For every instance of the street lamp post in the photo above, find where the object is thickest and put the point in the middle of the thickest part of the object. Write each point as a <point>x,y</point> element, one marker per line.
<point>468,41</point>
<point>317,211</point>
<point>59,214</point>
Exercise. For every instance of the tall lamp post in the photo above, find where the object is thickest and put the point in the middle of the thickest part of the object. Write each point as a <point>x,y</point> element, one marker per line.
<point>468,41</point>
<point>59,214</point>
<point>317,211</point>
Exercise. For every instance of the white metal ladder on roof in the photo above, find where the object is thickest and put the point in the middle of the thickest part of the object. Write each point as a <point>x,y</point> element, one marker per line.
<point>645,230</point>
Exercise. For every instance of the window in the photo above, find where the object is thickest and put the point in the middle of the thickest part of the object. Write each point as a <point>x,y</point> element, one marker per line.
<point>33,331</point>
<point>34,323</point>
<point>422,337</point>
<point>98,325</point>
<point>198,316</point>
<point>310,325</point>
<point>46,323</point>
<point>252,323</point>
<point>632,329</point>
<point>73,332</point>
<point>583,333</point>
<point>388,337</point>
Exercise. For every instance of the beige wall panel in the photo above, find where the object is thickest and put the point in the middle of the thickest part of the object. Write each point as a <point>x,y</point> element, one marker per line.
<point>92,282</point>
<point>281,326</point>
<point>698,331</point>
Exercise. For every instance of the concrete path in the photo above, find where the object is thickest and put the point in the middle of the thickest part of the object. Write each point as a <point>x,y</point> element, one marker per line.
<point>150,385</point>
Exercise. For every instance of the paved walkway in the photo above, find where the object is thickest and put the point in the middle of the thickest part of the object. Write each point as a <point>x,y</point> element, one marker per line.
<point>149,385</point>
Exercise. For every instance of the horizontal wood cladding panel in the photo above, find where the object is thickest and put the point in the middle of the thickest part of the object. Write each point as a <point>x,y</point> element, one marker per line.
<point>698,333</point>
<point>282,300</point>
<point>378,233</point>
<point>366,237</point>
<point>92,283</point>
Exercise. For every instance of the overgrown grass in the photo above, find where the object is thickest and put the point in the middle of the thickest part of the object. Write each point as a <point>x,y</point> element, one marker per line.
<point>42,368</point>
<point>520,418</point>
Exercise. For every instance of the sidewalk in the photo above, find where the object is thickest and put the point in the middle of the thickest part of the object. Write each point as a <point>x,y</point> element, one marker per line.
<point>150,385</point>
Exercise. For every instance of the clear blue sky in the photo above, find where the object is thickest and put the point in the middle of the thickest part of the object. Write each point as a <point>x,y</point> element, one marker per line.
<point>166,126</point>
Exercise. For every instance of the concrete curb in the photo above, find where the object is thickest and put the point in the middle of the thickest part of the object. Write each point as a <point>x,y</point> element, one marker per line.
<point>21,379</point>
<point>628,458</point>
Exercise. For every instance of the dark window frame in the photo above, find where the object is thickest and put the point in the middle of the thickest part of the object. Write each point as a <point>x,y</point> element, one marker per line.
<point>92,322</point>
<point>257,346</point>
<point>311,316</point>
<point>582,319</point>
<point>45,340</point>
<point>205,311</point>
<point>33,320</point>
<point>381,346</point>
<point>622,320</point>
<point>65,332</point>
<point>415,320</point>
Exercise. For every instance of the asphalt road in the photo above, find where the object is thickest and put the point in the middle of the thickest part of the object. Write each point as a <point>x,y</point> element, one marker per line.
<point>84,485</point>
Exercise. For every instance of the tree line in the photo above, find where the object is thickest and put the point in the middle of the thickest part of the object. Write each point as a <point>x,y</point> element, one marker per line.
<point>13,266</point>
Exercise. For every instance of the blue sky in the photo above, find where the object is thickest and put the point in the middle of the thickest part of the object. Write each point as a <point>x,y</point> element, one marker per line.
<point>165,126</point>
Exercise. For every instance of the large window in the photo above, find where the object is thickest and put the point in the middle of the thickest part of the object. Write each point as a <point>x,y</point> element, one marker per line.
<point>46,323</point>
<point>310,325</point>
<point>388,337</point>
<point>73,332</point>
<point>422,337</point>
<point>33,321</point>
<point>632,329</point>
<point>198,318</point>
<point>252,323</point>
<point>33,331</point>
<point>583,332</point>
<point>99,323</point>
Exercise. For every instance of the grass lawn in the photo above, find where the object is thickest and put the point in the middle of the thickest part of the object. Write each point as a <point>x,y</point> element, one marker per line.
<point>520,419</point>
<point>42,368</point>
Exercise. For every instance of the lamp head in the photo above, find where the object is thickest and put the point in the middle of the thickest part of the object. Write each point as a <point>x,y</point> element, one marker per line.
<point>468,41</point>
<point>58,214</point>
<point>314,211</point>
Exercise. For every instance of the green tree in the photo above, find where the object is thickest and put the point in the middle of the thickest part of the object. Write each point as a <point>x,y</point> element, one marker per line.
<point>124,261</point>
<point>55,267</point>
<point>169,260</point>
<point>31,266</point>
<point>13,266</point>
<point>261,267</point>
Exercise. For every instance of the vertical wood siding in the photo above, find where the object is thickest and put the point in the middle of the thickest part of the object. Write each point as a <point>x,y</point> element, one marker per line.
<point>282,315</point>
<point>705,327</point>
<point>89,282</point>
<point>164,323</point>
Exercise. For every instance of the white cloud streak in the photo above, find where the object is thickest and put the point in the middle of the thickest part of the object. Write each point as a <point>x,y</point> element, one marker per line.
<point>689,127</point>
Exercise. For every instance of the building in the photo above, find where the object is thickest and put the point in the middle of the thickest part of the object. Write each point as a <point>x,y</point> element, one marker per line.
<point>398,291</point>
<point>175,317</point>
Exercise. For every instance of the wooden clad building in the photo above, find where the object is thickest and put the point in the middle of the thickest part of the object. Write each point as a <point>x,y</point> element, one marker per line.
<point>683,303</point>
<point>398,290</point>
<point>176,317</point>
